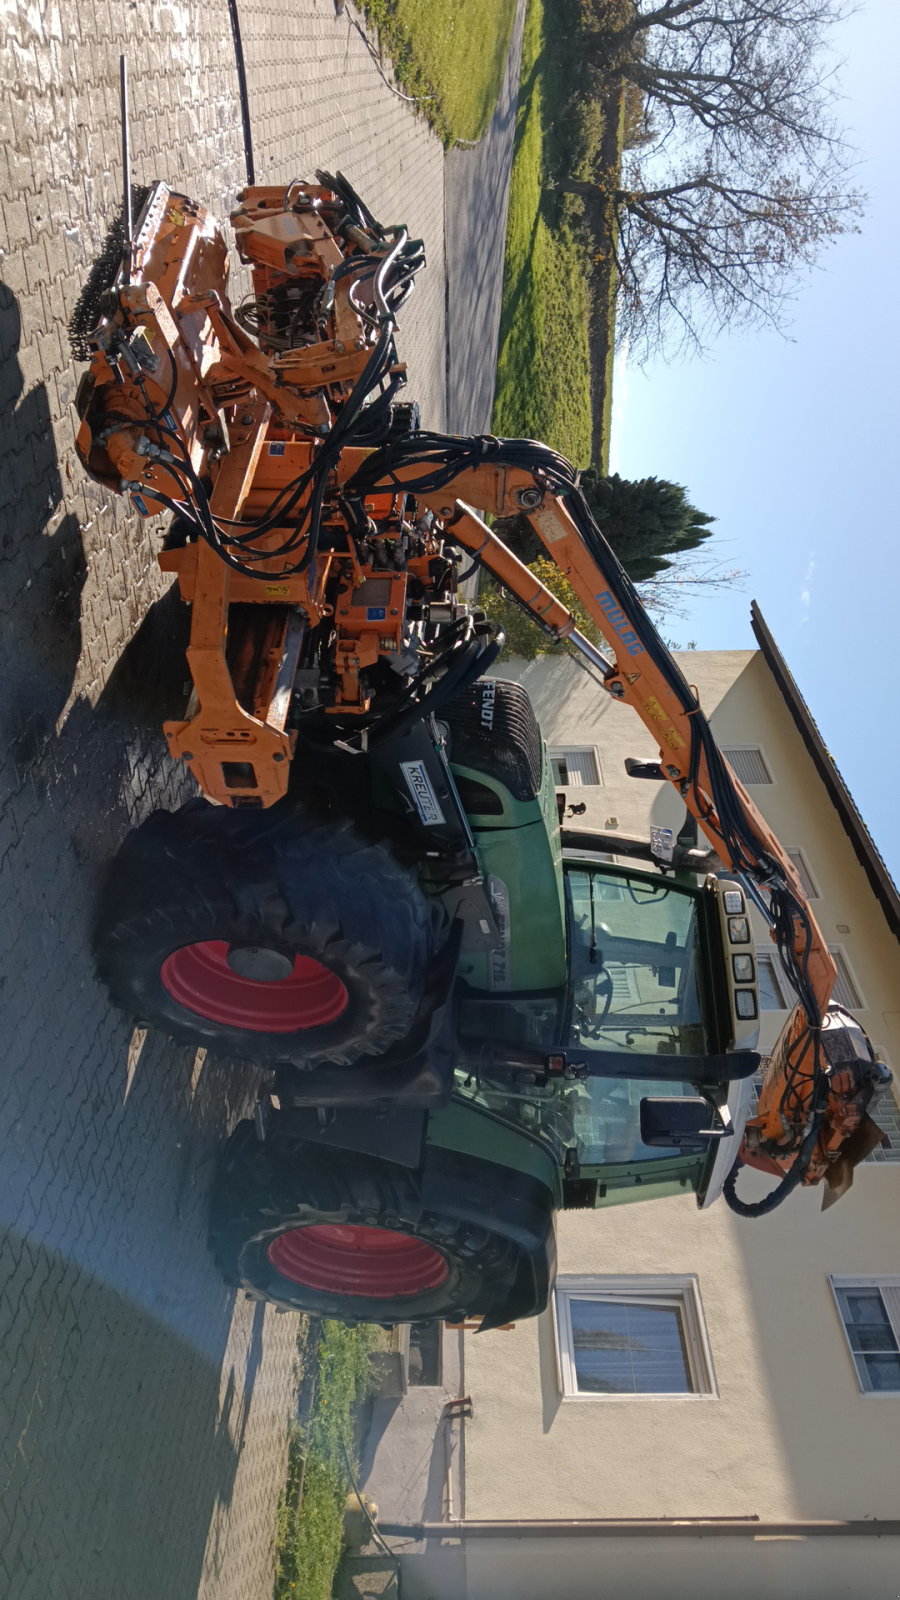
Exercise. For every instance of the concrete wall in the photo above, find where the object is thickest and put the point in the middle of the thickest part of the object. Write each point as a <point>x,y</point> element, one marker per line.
<point>789,1434</point>
<point>656,1568</point>
<point>411,1461</point>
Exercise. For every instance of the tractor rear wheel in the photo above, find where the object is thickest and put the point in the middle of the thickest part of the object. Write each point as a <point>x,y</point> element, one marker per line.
<point>338,1234</point>
<point>264,935</point>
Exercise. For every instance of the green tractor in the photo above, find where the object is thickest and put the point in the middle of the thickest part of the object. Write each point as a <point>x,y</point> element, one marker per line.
<point>473,1018</point>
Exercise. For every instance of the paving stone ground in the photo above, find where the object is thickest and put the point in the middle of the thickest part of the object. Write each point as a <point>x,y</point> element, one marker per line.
<point>142,1409</point>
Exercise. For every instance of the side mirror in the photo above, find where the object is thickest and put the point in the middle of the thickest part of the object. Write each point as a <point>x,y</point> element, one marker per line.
<point>681,1123</point>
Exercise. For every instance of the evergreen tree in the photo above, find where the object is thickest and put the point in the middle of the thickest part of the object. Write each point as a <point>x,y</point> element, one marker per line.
<point>645,521</point>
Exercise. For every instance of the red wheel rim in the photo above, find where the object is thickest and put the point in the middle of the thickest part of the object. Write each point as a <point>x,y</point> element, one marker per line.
<point>347,1259</point>
<point>199,978</point>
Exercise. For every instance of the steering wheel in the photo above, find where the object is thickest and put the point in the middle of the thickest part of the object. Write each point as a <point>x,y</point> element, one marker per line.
<point>590,1024</point>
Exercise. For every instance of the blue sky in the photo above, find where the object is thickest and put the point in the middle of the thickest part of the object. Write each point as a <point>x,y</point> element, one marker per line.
<point>793,446</point>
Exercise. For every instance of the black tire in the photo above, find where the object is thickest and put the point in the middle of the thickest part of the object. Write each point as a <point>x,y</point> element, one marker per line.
<point>263,1191</point>
<point>282,881</point>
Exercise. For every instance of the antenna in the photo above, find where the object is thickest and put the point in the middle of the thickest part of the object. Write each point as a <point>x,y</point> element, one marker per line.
<point>127,215</point>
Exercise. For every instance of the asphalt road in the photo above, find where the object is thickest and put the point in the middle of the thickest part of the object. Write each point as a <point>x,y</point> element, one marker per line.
<point>476,203</point>
<point>142,1410</point>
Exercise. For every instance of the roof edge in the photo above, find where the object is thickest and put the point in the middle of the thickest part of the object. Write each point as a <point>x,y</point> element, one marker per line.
<point>864,846</point>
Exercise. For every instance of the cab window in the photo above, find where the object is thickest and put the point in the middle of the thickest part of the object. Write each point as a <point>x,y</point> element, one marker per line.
<point>635,976</point>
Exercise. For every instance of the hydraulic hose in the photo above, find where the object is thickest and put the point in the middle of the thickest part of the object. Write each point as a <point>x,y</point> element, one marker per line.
<point>791,1180</point>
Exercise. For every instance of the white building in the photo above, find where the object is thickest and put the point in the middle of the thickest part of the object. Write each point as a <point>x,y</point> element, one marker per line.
<point>710,1405</point>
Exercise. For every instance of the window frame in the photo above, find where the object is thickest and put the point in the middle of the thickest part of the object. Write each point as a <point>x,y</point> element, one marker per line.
<point>765,763</point>
<point>681,1290</point>
<point>439,1380</point>
<point>840,955</point>
<point>813,892</point>
<point>885,1280</point>
<point>557,751</point>
<point>770,954</point>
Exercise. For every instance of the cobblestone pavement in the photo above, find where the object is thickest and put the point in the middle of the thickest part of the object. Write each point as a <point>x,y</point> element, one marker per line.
<point>142,1435</point>
<point>342,116</point>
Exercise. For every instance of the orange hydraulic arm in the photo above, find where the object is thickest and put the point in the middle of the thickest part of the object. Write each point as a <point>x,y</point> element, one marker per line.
<point>634,678</point>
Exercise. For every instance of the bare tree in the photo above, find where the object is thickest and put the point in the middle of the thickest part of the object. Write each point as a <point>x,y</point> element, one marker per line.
<point>744,174</point>
<point>738,69</point>
<point>710,249</point>
<point>671,594</point>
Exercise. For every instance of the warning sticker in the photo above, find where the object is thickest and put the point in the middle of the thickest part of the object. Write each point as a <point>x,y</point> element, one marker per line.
<point>419,786</point>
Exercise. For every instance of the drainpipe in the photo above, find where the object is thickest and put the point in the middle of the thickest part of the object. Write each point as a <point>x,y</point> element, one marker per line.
<point>751,1527</point>
<point>448,1467</point>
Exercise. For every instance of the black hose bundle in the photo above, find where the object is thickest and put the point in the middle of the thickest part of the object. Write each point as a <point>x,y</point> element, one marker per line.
<point>364,415</point>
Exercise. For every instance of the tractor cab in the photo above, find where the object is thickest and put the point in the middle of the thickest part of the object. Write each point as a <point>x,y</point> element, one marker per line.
<point>660,1006</point>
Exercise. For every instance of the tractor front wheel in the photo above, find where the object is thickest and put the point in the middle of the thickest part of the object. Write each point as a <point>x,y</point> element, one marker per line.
<point>265,936</point>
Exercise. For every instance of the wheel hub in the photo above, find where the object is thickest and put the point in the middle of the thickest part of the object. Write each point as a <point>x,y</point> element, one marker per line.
<point>225,984</point>
<point>344,1258</point>
<point>260,962</point>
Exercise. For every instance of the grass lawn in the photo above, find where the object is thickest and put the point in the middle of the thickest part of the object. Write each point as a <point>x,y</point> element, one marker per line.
<point>449,53</point>
<point>543,370</point>
<point>311,1510</point>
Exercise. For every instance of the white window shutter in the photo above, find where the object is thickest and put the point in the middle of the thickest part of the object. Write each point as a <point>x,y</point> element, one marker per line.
<point>576,767</point>
<point>747,763</point>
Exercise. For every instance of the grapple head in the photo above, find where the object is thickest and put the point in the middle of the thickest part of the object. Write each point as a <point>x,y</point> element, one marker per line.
<point>855,1080</point>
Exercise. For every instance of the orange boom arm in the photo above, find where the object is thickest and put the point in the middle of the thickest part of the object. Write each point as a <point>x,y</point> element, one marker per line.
<point>634,679</point>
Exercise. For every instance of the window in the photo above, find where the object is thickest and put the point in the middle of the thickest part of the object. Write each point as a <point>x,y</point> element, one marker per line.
<point>747,762</point>
<point>776,994</point>
<point>631,1338</point>
<point>576,767</point>
<point>635,974</point>
<point>424,1368</point>
<point>801,866</point>
<point>845,991</point>
<point>774,990</point>
<point>887,1115</point>
<point>870,1311</point>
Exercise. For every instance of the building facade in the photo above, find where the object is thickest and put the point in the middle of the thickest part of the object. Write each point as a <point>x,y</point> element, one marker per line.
<point>709,1401</point>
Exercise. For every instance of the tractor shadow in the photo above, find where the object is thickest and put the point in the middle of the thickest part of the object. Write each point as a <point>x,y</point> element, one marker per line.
<point>42,564</point>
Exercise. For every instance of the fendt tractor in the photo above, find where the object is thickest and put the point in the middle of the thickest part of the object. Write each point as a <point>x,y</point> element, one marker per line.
<point>469,1017</point>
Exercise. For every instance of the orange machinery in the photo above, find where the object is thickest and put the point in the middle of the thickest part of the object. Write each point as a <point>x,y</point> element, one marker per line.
<point>315,524</point>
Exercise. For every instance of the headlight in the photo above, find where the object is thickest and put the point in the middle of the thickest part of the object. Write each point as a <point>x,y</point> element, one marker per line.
<point>734,902</point>
<point>745,1003</point>
<point>739,930</point>
<point>743,968</point>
